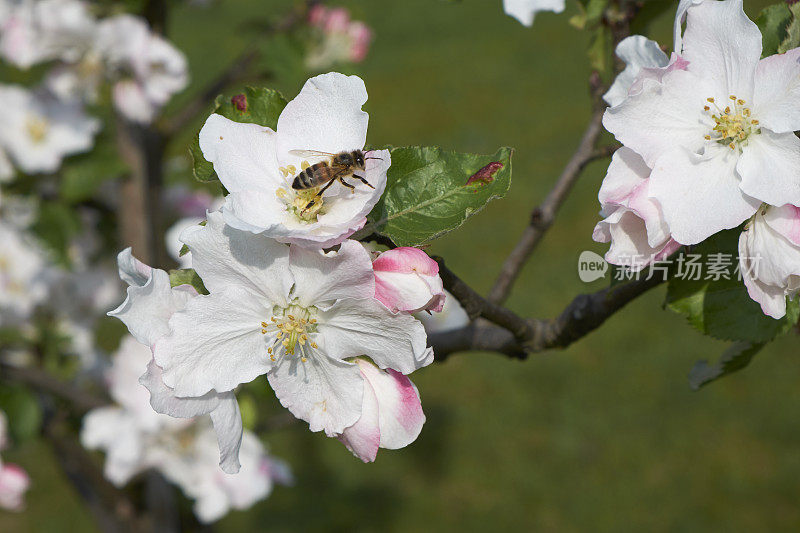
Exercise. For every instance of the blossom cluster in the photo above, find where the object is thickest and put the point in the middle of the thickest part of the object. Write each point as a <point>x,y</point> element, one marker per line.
<point>136,438</point>
<point>40,126</point>
<point>285,293</point>
<point>336,38</point>
<point>708,144</point>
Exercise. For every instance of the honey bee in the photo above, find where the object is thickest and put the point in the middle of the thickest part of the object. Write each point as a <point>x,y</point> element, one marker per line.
<point>326,173</point>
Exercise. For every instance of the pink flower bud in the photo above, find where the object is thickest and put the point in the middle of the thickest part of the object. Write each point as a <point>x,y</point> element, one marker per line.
<point>338,20</point>
<point>362,37</point>
<point>317,15</point>
<point>406,279</point>
<point>14,482</point>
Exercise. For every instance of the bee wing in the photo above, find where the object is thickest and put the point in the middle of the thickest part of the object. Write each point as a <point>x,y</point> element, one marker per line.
<point>309,153</point>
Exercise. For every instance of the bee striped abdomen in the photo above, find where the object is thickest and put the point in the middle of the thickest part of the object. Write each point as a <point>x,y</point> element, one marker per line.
<point>313,176</point>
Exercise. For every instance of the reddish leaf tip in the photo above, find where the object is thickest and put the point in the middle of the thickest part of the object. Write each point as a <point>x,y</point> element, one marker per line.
<point>485,175</point>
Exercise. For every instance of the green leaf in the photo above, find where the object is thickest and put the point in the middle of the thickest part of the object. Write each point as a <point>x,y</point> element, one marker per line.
<point>792,39</point>
<point>427,194</point>
<point>187,276</point>
<point>722,308</point>
<point>735,358</point>
<point>773,21</point>
<point>254,105</point>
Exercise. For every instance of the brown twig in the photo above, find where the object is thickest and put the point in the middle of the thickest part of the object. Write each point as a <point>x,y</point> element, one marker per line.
<point>40,380</point>
<point>543,216</point>
<point>583,315</point>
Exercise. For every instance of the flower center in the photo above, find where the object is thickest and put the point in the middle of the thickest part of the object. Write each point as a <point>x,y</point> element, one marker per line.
<point>303,204</point>
<point>295,325</point>
<point>37,128</point>
<point>733,125</point>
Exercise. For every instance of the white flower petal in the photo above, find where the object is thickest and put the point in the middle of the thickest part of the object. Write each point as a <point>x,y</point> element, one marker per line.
<point>322,391</point>
<point>777,92</point>
<point>786,221</point>
<point>662,116</point>
<point>224,256</point>
<point>131,270</point>
<point>243,154</point>
<point>215,343</point>
<point>227,422</point>
<point>525,10</point>
<point>147,309</point>
<point>770,167</point>
<point>326,116</point>
<point>723,46</point>
<point>351,328</point>
<point>700,195</point>
<point>321,277</point>
<point>636,51</point>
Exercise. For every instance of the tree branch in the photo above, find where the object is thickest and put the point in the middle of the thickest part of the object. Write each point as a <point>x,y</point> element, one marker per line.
<point>41,381</point>
<point>583,315</point>
<point>543,216</point>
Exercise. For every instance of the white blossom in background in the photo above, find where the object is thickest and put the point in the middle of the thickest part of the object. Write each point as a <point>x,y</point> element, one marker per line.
<point>192,207</point>
<point>297,315</point>
<point>634,222</point>
<point>38,131</point>
<point>254,163</point>
<point>769,257</point>
<point>33,31</point>
<point>136,438</point>
<point>525,10</point>
<point>719,135</point>
<point>147,68</point>
<point>14,481</point>
<point>339,39</point>
<point>452,316</point>
<point>23,275</point>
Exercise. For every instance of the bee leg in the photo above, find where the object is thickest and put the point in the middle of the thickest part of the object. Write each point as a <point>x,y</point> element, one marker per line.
<point>364,181</point>
<point>318,195</point>
<point>351,187</point>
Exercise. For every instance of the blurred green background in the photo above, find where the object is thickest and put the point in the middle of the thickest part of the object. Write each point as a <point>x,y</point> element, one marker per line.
<point>604,436</point>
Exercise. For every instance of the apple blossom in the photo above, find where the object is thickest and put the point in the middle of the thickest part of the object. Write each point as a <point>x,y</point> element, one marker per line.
<point>136,438</point>
<point>719,134</point>
<point>146,311</point>
<point>14,481</point>
<point>391,413</point>
<point>254,163</point>
<point>525,10</point>
<point>295,314</point>
<point>33,31</point>
<point>634,222</point>
<point>23,275</point>
<point>769,257</point>
<point>149,68</point>
<point>38,130</point>
<point>341,39</point>
<point>406,279</point>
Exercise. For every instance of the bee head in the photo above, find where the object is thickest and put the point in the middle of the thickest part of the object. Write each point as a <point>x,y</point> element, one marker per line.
<point>358,159</point>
